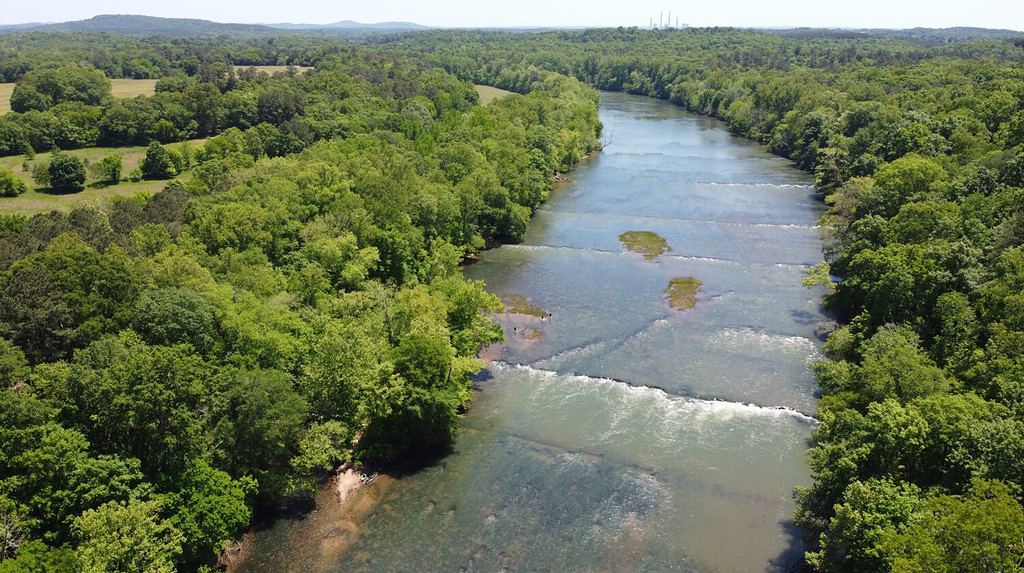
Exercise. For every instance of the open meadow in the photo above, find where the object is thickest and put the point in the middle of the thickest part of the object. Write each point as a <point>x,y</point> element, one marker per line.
<point>488,94</point>
<point>5,97</point>
<point>271,70</point>
<point>131,88</point>
<point>120,89</point>
<point>42,200</point>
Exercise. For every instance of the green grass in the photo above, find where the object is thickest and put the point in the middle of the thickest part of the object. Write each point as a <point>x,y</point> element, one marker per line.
<point>648,244</point>
<point>488,94</point>
<point>682,292</point>
<point>42,200</point>
<point>36,201</point>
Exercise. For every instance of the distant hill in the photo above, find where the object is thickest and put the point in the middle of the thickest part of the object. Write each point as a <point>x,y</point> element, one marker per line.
<point>19,27</point>
<point>928,36</point>
<point>351,25</point>
<point>145,26</point>
<point>154,26</point>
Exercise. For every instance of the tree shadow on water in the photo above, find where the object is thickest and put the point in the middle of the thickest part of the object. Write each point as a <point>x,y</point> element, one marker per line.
<point>791,559</point>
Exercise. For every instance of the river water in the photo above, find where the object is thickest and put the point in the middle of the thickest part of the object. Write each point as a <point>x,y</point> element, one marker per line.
<point>619,434</point>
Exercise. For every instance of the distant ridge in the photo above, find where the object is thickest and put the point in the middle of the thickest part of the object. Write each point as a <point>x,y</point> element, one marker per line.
<point>147,26</point>
<point>352,25</point>
<point>135,25</point>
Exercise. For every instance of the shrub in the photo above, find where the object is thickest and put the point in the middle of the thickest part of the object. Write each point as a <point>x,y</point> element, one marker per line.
<point>108,169</point>
<point>41,174</point>
<point>67,173</point>
<point>158,163</point>
<point>11,185</point>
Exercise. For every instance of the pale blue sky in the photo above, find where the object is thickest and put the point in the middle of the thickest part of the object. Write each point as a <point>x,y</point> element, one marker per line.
<point>460,13</point>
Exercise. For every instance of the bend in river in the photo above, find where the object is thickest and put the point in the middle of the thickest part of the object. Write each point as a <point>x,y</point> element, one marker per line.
<point>618,434</point>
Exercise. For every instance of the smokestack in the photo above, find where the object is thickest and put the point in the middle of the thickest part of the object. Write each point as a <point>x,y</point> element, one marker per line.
<point>669,18</point>
<point>661,19</point>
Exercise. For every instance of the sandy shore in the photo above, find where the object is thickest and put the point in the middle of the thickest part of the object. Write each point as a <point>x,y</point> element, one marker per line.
<point>327,532</point>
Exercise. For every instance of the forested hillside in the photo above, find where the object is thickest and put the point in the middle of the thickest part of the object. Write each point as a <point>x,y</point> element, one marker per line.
<point>169,364</point>
<point>918,462</point>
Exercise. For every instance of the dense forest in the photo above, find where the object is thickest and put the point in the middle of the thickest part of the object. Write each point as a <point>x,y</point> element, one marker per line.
<point>171,364</point>
<point>918,149</point>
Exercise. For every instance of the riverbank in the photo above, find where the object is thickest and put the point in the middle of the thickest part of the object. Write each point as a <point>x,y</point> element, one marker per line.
<point>615,434</point>
<point>325,533</point>
<point>342,502</point>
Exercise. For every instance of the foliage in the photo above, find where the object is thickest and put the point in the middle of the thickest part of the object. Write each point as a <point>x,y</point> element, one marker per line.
<point>11,185</point>
<point>169,363</point>
<point>174,360</point>
<point>66,173</point>
<point>914,142</point>
<point>41,89</point>
<point>127,537</point>
<point>107,170</point>
<point>158,163</point>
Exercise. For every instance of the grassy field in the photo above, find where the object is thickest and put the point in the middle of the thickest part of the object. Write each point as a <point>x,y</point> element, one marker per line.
<point>119,88</point>
<point>489,94</point>
<point>41,201</point>
<point>132,88</point>
<point>5,97</point>
<point>32,202</point>
<point>275,69</point>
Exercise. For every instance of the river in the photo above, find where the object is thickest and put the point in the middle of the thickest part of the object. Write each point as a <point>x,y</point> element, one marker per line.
<point>619,434</point>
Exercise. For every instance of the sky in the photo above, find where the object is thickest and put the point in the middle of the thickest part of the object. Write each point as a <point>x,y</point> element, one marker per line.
<point>480,13</point>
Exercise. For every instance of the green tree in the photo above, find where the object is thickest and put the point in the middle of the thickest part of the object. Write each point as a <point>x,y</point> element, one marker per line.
<point>895,367</point>
<point>39,89</point>
<point>158,163</point>
<point>121,387</point>
<point>175,315</point>
<point>10,184</point>
<point>324,447</point>
<point>203,103</point>
<point>898,182</point>
<point>210,510</point>
<point>977,533</point>
<point>36,557</point>
<point>66,173</point>
<point>871,513</point>
<point>127,538</point>
<point>260,429</point>
<point>41,174</point>
<point>108,169</point>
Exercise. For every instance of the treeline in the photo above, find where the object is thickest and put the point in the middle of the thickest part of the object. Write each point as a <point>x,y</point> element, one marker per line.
<point>153,57</point>
<point>171,363</point>
<point>918,463</point>
<point>71,107</point>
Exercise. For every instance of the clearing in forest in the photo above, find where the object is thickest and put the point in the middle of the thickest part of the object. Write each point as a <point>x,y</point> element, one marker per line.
<point>43,200</point>
<point>271,70</point>
<point>118,88</point>
<point>5,97</point>
<point>488,94</point>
